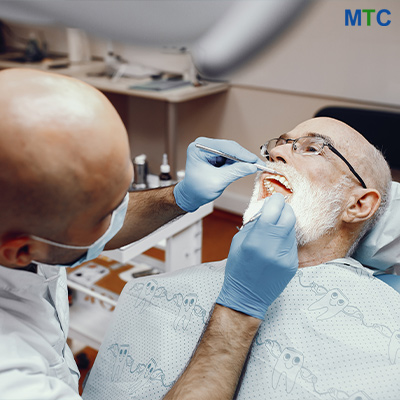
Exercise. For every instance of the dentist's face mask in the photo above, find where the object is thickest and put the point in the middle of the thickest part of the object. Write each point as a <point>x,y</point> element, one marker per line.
<point>94,250</point>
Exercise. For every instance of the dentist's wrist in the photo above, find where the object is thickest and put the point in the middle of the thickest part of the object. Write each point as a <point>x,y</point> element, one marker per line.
<point>183,198</point>
<point>248,323</point>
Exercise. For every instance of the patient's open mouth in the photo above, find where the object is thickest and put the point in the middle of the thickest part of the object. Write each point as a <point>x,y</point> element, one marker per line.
<point>270,184</point>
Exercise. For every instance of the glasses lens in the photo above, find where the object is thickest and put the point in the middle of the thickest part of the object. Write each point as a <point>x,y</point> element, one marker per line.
<point>308,145</point>
<point>268,146</point>
<point>263,150</point>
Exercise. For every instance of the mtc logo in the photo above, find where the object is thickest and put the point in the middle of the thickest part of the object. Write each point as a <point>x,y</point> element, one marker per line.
<point>355,18</point>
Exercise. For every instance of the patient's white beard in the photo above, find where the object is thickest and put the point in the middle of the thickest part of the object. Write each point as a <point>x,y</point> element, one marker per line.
<point>317,209</point>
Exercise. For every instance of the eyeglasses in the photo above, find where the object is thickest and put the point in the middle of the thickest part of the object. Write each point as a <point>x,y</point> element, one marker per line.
<point>307,146</point>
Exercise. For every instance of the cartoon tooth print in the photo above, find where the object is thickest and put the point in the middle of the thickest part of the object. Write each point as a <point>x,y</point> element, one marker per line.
<point>120,361</point>
<point>186,310</point>
<point>394,347</point>
<point>143,374</point>
<point>146,295</point>
<point>360,396</point>
<point>332,303</point>
<point>288,366</point>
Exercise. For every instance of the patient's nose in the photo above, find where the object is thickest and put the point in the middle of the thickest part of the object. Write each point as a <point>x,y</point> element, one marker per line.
<point>280,153</point>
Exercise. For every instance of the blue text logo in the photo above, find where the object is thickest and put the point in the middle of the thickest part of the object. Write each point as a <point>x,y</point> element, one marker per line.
<point>354,19</point>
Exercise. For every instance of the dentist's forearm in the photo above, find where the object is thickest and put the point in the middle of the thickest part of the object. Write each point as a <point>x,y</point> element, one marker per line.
<point>214,370</point>
<point>148,210</point>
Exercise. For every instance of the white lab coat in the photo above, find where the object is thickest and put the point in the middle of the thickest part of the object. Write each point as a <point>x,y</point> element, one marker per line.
<point>35,361</point>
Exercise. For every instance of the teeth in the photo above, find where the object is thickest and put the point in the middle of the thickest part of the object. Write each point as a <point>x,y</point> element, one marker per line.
<point>278,178</point>
<point>284,182</point>
<point>269,186</point>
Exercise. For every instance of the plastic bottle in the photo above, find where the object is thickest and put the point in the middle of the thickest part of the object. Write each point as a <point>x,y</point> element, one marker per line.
<point>165,169</point>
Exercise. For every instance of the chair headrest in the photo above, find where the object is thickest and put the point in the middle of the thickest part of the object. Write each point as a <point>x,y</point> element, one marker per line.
<point>381,247</point>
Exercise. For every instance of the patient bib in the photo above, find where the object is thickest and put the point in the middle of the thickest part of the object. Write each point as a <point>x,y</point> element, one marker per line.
<point>334,333</point>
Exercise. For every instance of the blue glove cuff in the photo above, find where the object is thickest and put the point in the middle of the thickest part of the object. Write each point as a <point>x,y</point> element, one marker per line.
<point>182,200</point>
<point>224,299</point>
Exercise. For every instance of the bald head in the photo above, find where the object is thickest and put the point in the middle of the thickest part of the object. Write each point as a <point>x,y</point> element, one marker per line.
<point>363,156</point>
<point>62,146</point>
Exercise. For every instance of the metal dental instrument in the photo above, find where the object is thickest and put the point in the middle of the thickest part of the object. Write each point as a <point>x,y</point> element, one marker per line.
<point>255,216</point>
<point>220,153</point>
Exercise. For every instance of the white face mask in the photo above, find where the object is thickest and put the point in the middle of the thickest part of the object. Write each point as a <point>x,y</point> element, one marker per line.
<point>94,250</point>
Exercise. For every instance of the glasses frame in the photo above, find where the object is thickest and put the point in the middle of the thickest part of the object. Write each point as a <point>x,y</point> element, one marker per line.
<point>265,153</point>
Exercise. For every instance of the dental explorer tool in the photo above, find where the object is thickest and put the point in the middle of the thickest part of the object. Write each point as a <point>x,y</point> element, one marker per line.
<point>255,216</point>
<point>220,153</point>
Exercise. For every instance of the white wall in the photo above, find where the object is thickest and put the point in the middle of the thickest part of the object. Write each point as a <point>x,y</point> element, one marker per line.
<point>319,55</point>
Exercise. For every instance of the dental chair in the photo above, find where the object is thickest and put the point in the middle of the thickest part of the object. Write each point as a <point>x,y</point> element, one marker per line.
<point>380,249</point>
<point>379,127</point>
<point>391,280</point>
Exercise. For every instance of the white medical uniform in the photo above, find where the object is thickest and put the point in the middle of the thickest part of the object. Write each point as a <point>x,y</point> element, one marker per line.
<point>35,361</point>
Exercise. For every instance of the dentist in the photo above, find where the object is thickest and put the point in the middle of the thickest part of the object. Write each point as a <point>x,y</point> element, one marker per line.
<point>65,170</point>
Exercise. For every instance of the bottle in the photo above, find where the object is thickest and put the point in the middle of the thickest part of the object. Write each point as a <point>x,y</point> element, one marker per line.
<point>33,53</point>
<point>140,172</point>
<point>165,169</point>
<point>180,175</point>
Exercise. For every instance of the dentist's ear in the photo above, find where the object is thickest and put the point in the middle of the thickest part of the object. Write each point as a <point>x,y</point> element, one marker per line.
<point>361,206</point>
<point>18,252</point>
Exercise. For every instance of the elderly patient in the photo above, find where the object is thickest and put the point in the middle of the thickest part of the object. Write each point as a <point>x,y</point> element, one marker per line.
<point>333,333</point>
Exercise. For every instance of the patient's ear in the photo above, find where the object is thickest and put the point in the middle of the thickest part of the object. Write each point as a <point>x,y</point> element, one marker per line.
<point>362,206</point>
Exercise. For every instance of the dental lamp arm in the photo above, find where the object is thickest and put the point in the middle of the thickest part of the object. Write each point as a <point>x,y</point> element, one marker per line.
<point>242,32</point>
<point>220,35</point>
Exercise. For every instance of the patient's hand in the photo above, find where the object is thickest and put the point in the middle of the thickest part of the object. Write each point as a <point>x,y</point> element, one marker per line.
<point>262,260</point>
<point>207,175</point>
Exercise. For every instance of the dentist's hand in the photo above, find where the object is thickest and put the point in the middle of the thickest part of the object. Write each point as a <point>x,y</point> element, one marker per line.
<point>262,260</point>
<point>207,175</point>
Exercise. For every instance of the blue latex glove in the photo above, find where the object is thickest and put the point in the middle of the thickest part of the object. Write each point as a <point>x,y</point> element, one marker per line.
<point>262,260</point>
<point>207,175</point>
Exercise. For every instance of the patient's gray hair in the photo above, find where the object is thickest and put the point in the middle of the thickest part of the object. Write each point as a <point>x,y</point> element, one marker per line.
<point>378,176</point>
